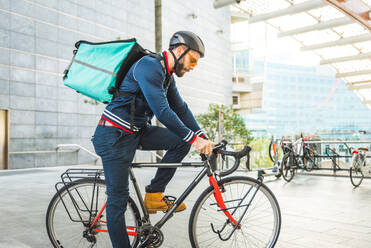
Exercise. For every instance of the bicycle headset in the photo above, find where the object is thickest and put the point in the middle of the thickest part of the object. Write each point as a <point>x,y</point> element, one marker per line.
<point>188,39</point>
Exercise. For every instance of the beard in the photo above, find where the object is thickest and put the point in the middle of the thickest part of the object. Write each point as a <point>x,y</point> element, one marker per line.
<point>179,69</point>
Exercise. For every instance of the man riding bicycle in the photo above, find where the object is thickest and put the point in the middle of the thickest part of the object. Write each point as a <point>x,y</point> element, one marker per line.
<point>148,89</point>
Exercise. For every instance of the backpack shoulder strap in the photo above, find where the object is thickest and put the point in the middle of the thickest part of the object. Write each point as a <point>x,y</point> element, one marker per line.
<point>136,53</point>
<point>135,94</point>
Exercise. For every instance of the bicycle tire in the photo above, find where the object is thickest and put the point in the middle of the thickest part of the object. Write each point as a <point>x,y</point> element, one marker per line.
<point>287,170</point>
<point>263,209</point>
<point>355,171</point>
<point>66,236</point>
<point>270,151</point>
<point>308,160</point>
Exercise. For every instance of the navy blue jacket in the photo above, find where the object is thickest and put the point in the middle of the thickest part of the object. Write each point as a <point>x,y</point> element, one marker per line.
<point>147,76</point>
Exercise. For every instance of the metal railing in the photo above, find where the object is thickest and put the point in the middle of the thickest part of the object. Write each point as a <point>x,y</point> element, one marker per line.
<point>41,151</point>
<point>338,142</point>
<point>335,154</point>
<point>60,147</point>
<point>95,155</point>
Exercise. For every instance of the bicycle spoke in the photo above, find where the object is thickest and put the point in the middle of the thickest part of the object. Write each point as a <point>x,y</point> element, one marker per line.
<point>244,239</point>
<point>69,233</point>
<point>215,238</point>
<point>258,226</point>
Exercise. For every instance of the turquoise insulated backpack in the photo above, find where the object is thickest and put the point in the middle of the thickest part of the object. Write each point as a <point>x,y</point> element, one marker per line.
<point>97,69</point>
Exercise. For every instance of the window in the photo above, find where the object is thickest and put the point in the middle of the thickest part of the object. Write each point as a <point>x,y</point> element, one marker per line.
<point>341,148</point>
<point>235,100</point>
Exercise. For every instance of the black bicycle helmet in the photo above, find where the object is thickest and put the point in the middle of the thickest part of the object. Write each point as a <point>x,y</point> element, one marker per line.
<point>189,39</point>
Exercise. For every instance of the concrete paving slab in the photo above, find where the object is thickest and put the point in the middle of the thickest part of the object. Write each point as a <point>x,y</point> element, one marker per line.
<point>321,212</point>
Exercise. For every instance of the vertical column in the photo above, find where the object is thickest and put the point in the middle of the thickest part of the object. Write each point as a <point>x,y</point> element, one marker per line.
<point>220,136</point>
<point>158,45</point>
<point>4,139</point>
<point>158,25</point>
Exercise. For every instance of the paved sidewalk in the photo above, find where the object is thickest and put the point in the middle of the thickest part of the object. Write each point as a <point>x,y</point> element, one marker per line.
<point>316,211</point>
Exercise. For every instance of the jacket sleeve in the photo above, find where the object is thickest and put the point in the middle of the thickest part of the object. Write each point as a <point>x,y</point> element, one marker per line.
<point>150,76</point>
<point>180,107</point>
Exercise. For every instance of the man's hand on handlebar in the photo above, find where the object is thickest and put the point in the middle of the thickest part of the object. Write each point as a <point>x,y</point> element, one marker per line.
<point>204,146</point>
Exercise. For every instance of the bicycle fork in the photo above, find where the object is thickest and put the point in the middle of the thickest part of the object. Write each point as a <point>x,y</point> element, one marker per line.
<point>221,204</point>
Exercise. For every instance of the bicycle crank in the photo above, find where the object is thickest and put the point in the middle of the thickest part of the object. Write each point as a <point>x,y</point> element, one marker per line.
<point>151,237</point>
<point>90,237</point>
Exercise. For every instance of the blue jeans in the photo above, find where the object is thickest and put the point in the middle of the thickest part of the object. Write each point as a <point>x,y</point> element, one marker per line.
<point>117,149</point>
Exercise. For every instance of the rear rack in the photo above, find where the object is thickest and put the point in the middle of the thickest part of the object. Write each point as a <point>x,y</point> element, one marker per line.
<point>72,175</point>
<point>83,210</point>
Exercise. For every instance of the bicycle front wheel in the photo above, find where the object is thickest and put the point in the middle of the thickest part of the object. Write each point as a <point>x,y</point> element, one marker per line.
<point>73,209</point>
<point>247,200</point>
<point>287,167</point>
<point>356,174</point>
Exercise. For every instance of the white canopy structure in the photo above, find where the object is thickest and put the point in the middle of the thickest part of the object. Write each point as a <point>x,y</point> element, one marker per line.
<point>338,31</point>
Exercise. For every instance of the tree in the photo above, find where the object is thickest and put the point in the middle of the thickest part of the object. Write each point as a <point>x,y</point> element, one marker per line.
<point>259,157</point>
<point>234,128</point>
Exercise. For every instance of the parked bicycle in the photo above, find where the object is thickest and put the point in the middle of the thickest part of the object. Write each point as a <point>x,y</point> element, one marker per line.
<point>235,211</point>
<point>273,151</point>
<point>296,156</point>
<point>289,163</point>
<point>310,157</point>
<point>360,167</point>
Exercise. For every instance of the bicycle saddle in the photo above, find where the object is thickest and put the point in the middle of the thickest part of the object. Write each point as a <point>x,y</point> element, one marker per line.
<point>363,149</point>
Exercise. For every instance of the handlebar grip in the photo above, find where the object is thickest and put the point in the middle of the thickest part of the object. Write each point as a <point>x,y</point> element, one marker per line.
<point>237,155</point>
<point>220,145</point>
<point>216,148</point>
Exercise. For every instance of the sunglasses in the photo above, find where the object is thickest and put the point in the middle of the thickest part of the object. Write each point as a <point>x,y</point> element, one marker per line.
<point>192,60</point>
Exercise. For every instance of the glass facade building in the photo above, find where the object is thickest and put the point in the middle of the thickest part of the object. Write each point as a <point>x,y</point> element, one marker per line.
<point>301,99</point>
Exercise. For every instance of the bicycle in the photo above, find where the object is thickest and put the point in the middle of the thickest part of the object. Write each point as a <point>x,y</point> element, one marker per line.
<point>359,167</point>
<point>292,159</point>
<point>309,157</point>
<point>274,156</point>
<point>289,163</point>
<point>235,210</point>
<point>296,156</point>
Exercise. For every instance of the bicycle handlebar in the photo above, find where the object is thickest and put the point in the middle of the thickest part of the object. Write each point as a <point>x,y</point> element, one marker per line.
<point>219,148</point>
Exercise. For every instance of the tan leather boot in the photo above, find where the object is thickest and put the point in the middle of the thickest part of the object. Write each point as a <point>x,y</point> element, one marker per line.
<point>159,202</point>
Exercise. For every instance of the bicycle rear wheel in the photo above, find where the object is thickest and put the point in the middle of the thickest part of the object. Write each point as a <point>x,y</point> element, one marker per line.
<point>260,225</point>
<point>287,169</point>
<point>84,199</point>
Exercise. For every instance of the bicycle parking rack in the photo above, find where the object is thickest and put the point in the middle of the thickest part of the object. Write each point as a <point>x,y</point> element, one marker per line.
<point>335,157</point>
